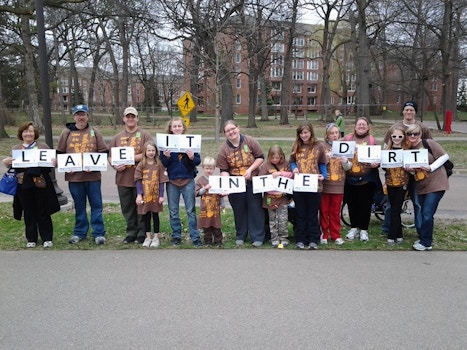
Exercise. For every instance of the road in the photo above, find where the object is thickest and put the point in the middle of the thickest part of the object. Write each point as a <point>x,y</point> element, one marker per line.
<point>232,299</point>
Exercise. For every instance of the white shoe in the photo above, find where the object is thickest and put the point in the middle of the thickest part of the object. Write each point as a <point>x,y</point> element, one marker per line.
<point>147,242</point>
<point>339,241</point>
<point>363,236</point>
<point>155,243</point>
<point>323,240</point>
<point>30,245</point>
<point>353,233</point>
<point>48,244</point>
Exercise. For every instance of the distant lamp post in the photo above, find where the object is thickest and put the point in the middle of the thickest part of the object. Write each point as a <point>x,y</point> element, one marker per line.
<point>44,79</point>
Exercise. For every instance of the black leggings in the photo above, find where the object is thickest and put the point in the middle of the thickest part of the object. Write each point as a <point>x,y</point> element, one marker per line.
<point>147,221</point>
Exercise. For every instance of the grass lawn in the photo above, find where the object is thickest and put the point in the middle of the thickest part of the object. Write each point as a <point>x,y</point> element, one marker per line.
<point>449,234</point>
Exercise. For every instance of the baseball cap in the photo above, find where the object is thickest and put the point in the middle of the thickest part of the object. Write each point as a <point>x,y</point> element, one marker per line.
<point>80,108</point>
<point>130,110</point>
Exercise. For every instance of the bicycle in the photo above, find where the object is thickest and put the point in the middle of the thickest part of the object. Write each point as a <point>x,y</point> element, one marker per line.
<point>407,213</point>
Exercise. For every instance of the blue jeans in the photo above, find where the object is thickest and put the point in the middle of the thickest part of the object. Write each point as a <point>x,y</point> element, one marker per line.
<point>429,203</point>
<point>173,197</point>
<point>92,191</point>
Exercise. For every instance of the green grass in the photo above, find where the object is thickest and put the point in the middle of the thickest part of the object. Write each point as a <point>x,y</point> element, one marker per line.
<point>449,234</point>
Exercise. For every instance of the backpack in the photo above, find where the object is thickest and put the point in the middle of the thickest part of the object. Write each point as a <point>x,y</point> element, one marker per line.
<point>448,165</point>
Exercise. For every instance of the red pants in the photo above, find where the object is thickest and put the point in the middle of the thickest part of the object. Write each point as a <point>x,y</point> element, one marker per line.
<point>330,215</point>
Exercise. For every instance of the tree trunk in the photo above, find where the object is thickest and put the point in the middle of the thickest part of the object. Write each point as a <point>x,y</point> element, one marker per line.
<point>33,105</point>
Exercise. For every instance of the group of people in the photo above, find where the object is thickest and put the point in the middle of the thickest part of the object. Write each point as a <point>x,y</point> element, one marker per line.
<point>142,186</point>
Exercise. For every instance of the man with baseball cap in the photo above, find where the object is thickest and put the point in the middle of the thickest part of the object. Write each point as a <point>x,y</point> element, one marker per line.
<point>130,136</point>
<point>79,137</point>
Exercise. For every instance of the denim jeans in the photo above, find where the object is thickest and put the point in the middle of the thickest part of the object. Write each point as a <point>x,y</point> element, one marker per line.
<point>92,191</point>
<point>173,197</point>
<point>429,203</point>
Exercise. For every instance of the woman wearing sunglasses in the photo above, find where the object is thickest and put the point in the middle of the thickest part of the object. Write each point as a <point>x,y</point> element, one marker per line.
<point>397,180</point>
<point>431,182</point>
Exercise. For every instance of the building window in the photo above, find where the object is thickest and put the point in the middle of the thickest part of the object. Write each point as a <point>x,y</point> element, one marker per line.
<point>238,45</point>
<point>238,57</point>
<point>352,87</point>
<point>312,76</point>
<point>314,53</point>
<point>434,84</point>
<point>311,101</point>
<point>297,88</point>
<point>277,60</point>
<point>277,72</point>
<point>239,99</point>
<point>300,41</point>
<point>129,90</point>
<point>297,75</point>
<point>276,86</point>
<point>350,100</point>
<point>298,53</point>
<point>313,64</point>
<point>298,64</point>
<point>311,89</point>
<point>238,83</point>
<point>277,47</point>
<point>332,100</point>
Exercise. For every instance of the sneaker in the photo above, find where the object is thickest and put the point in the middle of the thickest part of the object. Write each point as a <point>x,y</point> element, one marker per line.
<point>300,246</point>
<point>421,247</point>
<point>198,244</point>
<point>353,233</point>
<point>100,240</point>
<point>285,243</point>
<point>129,239</point>
<point>239,242</point>
<point>140,239</point>
<point>176,241</point>
<point>48,244</point>
<point>364,236</point>
<point>31,245</point>
<point>155,243</point>
<point>323,240</point>
<point>399,240</point>
<point>313,246</point>
<point>339,241</point>
<point>257,244</point>
<point>74,240</point>
<point>147,242</point>
<point>275,244</point>
<point>391,242</point>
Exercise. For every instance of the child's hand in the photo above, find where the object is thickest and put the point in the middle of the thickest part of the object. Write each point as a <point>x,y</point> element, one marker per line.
<point>320,177</point>
<point>161,200</point>
<point>139,200</point>
<point>207,187</point>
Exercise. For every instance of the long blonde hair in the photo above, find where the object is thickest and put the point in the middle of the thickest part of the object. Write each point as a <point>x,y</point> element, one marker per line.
<point>175,119</point>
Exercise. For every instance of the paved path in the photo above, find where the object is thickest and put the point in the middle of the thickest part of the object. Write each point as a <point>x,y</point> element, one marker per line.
<point>232,299</point>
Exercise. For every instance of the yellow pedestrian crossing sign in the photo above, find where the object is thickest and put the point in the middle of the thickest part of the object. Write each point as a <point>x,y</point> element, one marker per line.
<point>186,104</point>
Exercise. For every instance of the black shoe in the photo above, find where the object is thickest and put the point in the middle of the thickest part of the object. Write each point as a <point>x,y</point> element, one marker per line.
<point>129,239</point>
<point>140,239</point>
<point>176,241</point>
<point>198,244</point>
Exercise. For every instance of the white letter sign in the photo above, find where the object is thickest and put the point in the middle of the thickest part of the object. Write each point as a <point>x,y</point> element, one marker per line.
<point>69,162</point>
<point>369,154</point>
<point>343,148</point>
<point>392,158</point>
<point>227,184</point>
<point>24,158</point>
<point>122,155</point>
<point>94,162</point>
<point>416,158</point>
<point>179,143</point>
<point>306,182</point>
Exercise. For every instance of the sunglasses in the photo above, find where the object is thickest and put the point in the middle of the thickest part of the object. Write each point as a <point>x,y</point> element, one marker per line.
<point>397,136</point>
<point>414,134</point>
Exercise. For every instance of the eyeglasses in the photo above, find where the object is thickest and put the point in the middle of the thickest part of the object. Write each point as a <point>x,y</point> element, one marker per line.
<point>131,116</point>
<point>229,130</point>
<point>413,134</point>
<point>397,136</point>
